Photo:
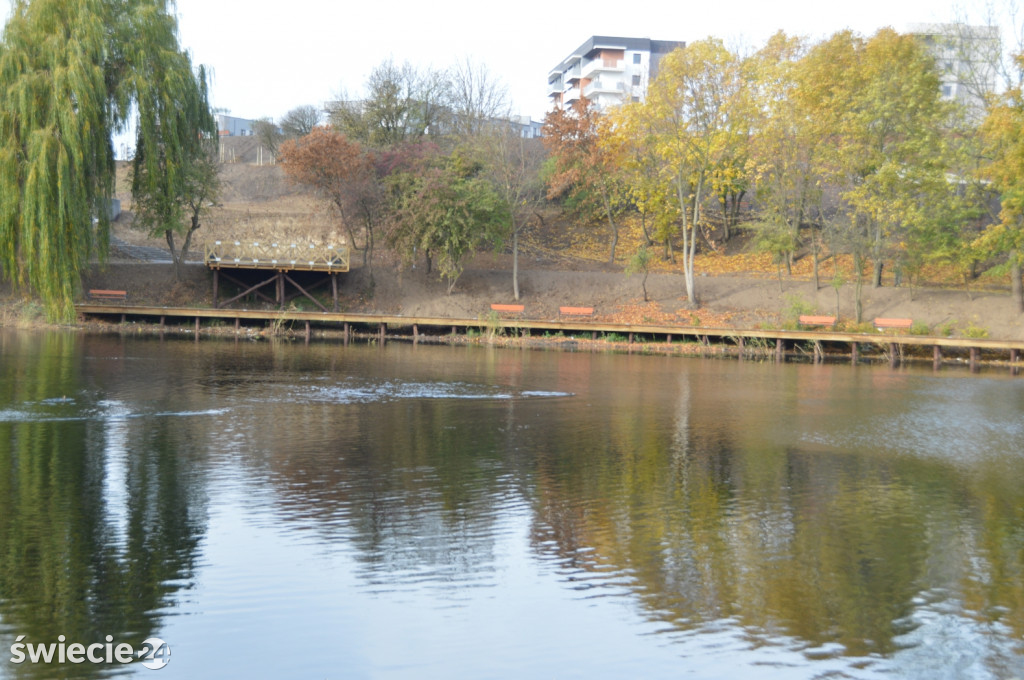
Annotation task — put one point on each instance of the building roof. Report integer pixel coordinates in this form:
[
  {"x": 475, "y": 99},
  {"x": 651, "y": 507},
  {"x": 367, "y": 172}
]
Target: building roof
[{"x": 597, "y": 42}]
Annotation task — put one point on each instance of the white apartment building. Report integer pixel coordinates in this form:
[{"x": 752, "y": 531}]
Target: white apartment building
[
  {"x": 967, "y": 57},
  {"x": 607, "y": 71}
]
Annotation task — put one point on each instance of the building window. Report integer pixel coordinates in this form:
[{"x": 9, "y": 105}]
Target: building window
[
  {"x": 636, "y": 58},
  {"x": 636, "y": 81},
  {"x": 947, "y": 90}
]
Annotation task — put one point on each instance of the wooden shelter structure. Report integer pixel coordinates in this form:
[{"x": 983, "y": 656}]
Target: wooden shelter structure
[{"x": 279, "y": 261}]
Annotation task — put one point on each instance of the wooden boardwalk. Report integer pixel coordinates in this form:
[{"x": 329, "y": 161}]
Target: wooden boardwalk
[{"x": 811, "y": 342}]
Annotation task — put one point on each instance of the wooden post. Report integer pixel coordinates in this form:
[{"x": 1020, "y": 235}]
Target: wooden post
[
  {"x": 854, "y": 351},
  {"x": 307, "y": 333},
  {"x": 216, "y": 280},
  {"x": 346, "y": 333},
  {"x": 819, "y": 353},
  {"x": 383, "y": 327},
  {"x": 334, "y": 290},
  {"x": 161, "y": 321},
  {"x": 974, "y": 359},
  {"x": 197, "y": 326},
  {"x": 1014, "y": 356},
  {"x": 238, "y": 323},
  {"x": 631, "y": 338},
  {"x": 669, "y": 339},
  {"x": 415, "y": 334},
  {"x": 893, "y": 357},
  {"x": 936, "y": 357},
  {"x": 779, "y": 350}
]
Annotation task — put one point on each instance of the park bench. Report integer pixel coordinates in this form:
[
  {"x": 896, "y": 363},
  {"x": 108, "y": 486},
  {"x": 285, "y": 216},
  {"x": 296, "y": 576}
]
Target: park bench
[
  {"x": 507, "y": 309},
  {"x": 820, "y": 321},
  {"x": 576, "y": 311},
  {"x": 119, "y": 295},
  {"x": 884, "y": 324}
]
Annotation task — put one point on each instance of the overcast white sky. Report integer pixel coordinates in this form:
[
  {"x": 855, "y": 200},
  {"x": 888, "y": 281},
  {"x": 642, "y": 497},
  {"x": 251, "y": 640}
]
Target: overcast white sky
[{"x": 269, "y": 56}]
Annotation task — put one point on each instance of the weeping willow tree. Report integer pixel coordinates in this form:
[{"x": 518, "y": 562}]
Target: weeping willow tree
[{"x": 72, "y": 73}]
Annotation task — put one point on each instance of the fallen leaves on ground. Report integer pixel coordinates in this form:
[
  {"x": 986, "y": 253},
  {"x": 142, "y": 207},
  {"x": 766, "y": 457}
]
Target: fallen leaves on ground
[{"x": 651, "y": 313}]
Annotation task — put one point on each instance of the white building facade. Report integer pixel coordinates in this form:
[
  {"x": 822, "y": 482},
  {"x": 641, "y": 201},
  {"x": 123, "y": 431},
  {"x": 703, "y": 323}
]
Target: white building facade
[
  {"x": 967, "y": 58},
  {"x": 608, "y": 71}
]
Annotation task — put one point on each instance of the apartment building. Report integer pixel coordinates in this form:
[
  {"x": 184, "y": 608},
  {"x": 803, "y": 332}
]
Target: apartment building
[
  {"x": 608, "y": 71},
  {"x": 967, "y": 57}
]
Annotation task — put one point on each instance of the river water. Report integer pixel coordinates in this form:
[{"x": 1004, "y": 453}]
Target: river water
[{"x": 274, "y": 510}]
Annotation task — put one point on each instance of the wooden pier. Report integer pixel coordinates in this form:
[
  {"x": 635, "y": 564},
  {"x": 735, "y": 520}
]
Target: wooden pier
[
  {"x": 814, "y": 345},
  {"x": 278, "y": 262}
]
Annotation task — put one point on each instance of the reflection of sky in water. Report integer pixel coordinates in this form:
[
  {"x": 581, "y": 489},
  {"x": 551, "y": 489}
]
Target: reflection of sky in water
[
  {"x": 974, "y": 420},
  {"x": 363, "y": 392}
]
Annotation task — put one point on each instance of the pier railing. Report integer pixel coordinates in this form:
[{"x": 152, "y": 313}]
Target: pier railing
[{"x": 274, "y": 255}]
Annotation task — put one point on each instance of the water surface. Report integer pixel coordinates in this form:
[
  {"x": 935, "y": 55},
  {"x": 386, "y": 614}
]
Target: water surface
[{"x": 278, "y": 510}]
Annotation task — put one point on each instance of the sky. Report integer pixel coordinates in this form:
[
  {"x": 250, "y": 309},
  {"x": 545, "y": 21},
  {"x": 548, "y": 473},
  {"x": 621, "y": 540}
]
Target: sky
[{"x": 268, "y": 56}]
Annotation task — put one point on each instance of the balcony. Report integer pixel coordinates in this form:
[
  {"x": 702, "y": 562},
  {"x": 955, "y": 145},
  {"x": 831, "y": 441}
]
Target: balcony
[
  {"x": 599, "y": 65},
  {"x": 570, "y": 95},
  {"x": 555, "y": 87},
  {"x": 604, "y": 86}
]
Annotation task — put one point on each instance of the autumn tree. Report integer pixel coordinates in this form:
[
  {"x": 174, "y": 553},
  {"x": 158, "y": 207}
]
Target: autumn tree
[
  {"x": 74, "y": 72},
  {"x": 1003, "y": 132},
  {"x": 783, "y": 151},
  {"x": 342, "y": 172},
  {"x": 689, "y": 107},
  {"x": 585, "y": 172}
]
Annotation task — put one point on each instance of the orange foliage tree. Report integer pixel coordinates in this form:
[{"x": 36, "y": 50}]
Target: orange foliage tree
[
  {"x": 585, "y": 172},
  {"x": 343, "y": 173}
]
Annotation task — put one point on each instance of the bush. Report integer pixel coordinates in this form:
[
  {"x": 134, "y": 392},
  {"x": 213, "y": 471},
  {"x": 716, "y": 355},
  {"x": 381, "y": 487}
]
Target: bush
[{"x": 975, "y": 332}]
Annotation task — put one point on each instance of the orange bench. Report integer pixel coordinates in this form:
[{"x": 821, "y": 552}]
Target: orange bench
[
  {"x": 576, "y": 311},
  {"x": 121, "y": 295},
  {"x": 825, "y": 321},
  {"x": 507, "y": 309},
  {"x": 884, "y": 324}
]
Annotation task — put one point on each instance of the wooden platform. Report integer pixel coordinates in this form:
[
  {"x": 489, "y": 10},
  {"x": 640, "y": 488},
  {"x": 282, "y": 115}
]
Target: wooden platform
[{"x": 382, "y": 325}]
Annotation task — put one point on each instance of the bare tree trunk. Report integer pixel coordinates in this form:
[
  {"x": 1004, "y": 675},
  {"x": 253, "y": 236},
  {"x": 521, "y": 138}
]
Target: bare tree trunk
[
  {"x": 515, "y": 264},
  {"x": 876, "y": 279},
  {"x": 1016, "y": 284},
  {"x": 611, "y": 224},
  {"x": 858, "y": 288}
]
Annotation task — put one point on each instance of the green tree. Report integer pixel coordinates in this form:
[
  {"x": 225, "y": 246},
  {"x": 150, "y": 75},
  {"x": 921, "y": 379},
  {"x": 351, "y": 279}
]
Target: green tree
[
  {"x": 175, "y": 173},
  {"x": 74, "y": 72},
  {"x": 513, "y": 165},
  {"x": 447, "y": 210}
]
